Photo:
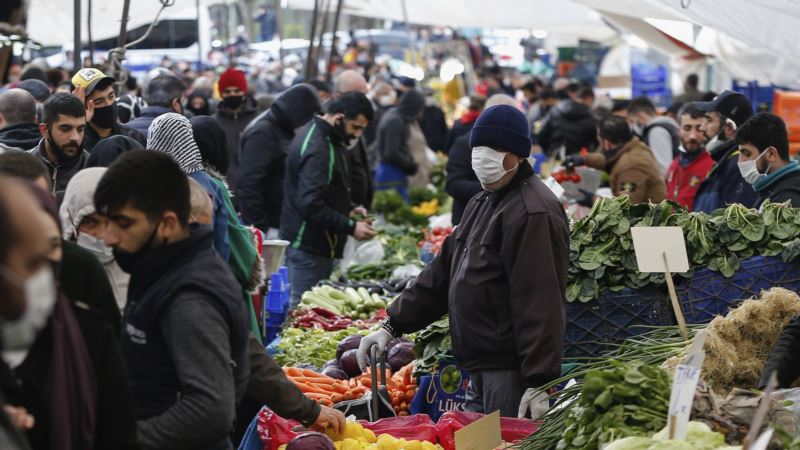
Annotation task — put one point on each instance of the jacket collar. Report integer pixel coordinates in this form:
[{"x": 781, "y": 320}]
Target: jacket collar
[
  {"x": 774, "y": 177},
  {"x": 40, "y": 152},
  {"x": 176, "y": 255},
  {"x": 524, "y": 172}
]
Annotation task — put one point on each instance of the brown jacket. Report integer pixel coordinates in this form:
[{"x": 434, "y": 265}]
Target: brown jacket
[
  {"x": 633, "y": 171},
  {"x": 501, "y": 277}
]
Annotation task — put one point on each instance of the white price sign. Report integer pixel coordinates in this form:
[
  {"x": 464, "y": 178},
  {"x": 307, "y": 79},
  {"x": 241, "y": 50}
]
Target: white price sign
[{"x": 683, "y": 387}]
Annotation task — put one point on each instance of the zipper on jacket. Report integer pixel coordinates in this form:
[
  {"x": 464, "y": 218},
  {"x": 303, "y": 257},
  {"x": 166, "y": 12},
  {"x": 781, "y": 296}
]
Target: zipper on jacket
[{"x": 55, "y": 175}]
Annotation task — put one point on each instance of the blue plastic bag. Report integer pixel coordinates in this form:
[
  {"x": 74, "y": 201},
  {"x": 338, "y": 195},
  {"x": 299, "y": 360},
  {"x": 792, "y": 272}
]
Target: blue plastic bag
[{"x": 443, "y": 391}]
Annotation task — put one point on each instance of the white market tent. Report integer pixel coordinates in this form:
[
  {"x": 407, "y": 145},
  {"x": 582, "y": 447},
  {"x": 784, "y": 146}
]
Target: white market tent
[{"x": 754, "y": 39}]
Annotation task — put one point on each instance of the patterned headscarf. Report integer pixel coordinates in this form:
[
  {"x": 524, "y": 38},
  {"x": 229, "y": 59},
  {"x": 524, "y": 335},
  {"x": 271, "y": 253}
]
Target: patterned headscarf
[{"x": 171, "y": 133}]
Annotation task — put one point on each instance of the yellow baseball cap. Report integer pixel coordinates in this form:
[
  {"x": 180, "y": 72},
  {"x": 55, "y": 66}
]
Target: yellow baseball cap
[{"x": 89, "y": 78}]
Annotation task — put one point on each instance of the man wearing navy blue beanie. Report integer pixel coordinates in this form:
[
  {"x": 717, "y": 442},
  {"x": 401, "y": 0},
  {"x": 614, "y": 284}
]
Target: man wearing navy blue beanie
[{"x": 501, "y": 277}]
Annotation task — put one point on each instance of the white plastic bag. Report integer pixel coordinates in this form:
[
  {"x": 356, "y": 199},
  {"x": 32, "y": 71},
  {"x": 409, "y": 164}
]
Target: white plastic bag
[{"x": 361, "y": 252}]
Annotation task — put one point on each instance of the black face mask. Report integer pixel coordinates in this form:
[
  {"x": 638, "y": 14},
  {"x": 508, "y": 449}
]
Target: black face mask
[
  {"x": 341, "y": 136},
  {"x": 233, "y": 101},
  {"x": 106, "y": 116},
  {"x": 128, "y": 261},
  {"x": 202, "y": 111}
]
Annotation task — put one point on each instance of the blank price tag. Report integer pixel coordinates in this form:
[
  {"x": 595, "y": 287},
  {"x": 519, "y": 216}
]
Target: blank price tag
[
  {"x": 652, "y": 243},
  {"x": 684, "y": 384},
  {"x": 483, "y": 434}
]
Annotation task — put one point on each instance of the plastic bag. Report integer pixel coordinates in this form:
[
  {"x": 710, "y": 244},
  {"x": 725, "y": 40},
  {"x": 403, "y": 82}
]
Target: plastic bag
[
  {"x": 512, "y": 430},
  {"x": 417, "y": 427},
  {"x": 274, "y": 430},
  {"x": 441, "y": 221},
  {"x": 360, "y": 253},
  {"x": 443, "y": 391},
  {"x": 406, "y": 271}
]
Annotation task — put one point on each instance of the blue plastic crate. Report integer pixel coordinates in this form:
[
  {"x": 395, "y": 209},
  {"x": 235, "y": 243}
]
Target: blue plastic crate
[
  {"x": 612, "y": 318},
  {"x": 708, "y": 294}
]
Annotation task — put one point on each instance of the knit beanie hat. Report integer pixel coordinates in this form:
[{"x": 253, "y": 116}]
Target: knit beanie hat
[
  {"x": 232, "y": 78},
  {"x": 502, "y": 127},
  {"x": 172, "y": 134}
]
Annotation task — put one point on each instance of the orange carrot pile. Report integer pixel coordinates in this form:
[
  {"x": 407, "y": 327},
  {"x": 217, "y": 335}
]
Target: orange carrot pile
[
  {"x": 402, "y": 389},
  {"x": 325, "y": 390}
]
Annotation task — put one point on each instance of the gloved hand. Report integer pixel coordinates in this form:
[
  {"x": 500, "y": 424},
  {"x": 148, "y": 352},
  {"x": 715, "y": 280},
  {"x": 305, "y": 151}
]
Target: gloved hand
[
  {"x": 379, "y": 338},
  {"x": 535, "y": 401},
  {"x": 573, "y": 160},
  {"x": 587, "y": 199}
]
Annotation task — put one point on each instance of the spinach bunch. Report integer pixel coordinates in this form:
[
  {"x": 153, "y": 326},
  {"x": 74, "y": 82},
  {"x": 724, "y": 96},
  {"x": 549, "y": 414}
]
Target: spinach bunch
[
  {"x": 601, "y": 249},
  {"x": 431, "y": 345},
  {"x": 624, "y": 400}
]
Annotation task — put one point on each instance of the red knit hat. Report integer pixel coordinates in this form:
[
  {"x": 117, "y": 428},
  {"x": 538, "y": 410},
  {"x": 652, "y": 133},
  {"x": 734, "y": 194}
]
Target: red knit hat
[{"x": 232, "y": 78}]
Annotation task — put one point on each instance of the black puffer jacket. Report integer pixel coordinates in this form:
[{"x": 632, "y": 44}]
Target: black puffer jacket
[
  {"x": 234, "y": 124},
  {"x": 462, "y": 183},
  {"x": 316, "y": 196},
  {"x": 784, "y": 357},
  {"x": 265, "y": 144},
  {"x": 20, "y": 136},
  {"x": 391, "y": 141},
  {"x": 570, "y": 124}
]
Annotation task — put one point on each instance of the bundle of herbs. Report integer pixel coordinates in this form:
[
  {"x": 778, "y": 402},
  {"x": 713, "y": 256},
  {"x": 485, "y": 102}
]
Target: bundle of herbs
[{"x": 602, "y": 255}]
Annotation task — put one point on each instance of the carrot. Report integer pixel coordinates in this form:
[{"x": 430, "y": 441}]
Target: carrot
[
  {"x": 327, "y": 402},
  {"x": 340, "y": 388},
  {"x": 314, "y": 380},
  {"x": 293, "y": 371},
  {"x": 311, "y": 373},
  {"x": 348, "y": 395},
  {"x": 307, "y": 389}
]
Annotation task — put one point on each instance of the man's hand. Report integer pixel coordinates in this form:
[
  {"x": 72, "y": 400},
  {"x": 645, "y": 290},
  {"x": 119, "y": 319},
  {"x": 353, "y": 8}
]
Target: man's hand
[
  {"x": 379, "y": 338},
  {"x": 80, "y": 92},
  {"x": 364, "y": 231},
  {"x": 358, "y": 211},
  {"x": 329, "y": 417},
  {"x": 19, "y": 417},
  {"x": 535, "y": 401}
]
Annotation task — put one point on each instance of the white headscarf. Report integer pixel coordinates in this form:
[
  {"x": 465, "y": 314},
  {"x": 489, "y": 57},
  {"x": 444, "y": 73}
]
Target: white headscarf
[{"x": 79, "y": 200}]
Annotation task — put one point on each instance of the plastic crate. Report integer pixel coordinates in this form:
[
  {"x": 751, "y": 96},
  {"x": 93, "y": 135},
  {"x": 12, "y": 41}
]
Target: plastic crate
[
  {"x": 708, "y": 294},
  {"x": 612, "y": 318}
]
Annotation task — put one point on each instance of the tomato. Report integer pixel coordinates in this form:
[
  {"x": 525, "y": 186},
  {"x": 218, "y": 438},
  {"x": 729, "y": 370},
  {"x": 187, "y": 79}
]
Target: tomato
[{"x": 575, "y": 178}]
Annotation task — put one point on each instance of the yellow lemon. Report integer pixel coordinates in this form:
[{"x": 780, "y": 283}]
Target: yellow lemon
[{"x": 369, "y": 436}]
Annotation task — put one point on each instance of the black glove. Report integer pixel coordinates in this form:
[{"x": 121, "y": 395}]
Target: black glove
[
  {"x": 572, "y": 161},
  {"x": 587, "y": 198}
]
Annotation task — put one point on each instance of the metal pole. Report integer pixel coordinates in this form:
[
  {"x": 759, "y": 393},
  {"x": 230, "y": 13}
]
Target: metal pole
[
  {"x": 276, "y": 6},
  {"x": 328, "y": 74},
  {"x": 89, "y": 31},
  {"x": 408, "y": 33},
  {"x": 76, "y": 50},
  {"x": 199, "y": 44},
  {"x": 123, "y": 26},
  {"x": 310, "y": 58},
  {"x": 320, "y": 45}
]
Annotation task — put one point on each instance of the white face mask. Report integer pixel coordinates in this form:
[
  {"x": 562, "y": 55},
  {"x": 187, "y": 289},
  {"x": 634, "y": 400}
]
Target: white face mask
[
  {"x": 100, "y": 250},
  {"x": 40, "y": 297},
  {"x": 749, "y": 169},
  {"x": 387, "y": 100},
  {"x": 488, "y": 165}
]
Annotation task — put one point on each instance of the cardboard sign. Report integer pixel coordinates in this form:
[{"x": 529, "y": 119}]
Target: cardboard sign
[
  {"x": 684, "y": 384},
  {"x": 483, "y": 434},
  {"x": 652, "y": 243}
]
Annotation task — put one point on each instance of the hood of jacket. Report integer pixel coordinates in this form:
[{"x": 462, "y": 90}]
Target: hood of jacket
[
  {"x": 78, "y": 200},
  {"x": 411, "y": 105},
  {"x": 663, "y": 120},
  {"x": 572, "y": 110},
  {"x": 109, "y": 149},
  {"x": 296, "y": 107},
  {"x": 210, "y": 138},
  {"x": 23, "y": 136},
  {"x": 172, "y": 134}
]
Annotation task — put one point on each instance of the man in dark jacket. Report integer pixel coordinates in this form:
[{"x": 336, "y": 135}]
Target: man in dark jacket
[
  {"x": 18, "y": 128},
  {"x": 317, "y": 211},
  {"x": 234, "y": 113},
  {"x": 164, "y": 95},
  {"x": 764, "y": 160},
  {"x": 184, "y": 338},
  {"x": 265, "y": 144},
  {"x": 93, "y": 86},
  {"x": 660, "y": 133},
  {"x": 433, "y": 123},
  {"x": 395, "y": 161},
  {"x": 501, "y": 277},
  {"x": 724, "y": 184},
  {"x": 361, "y": 185},
  {"x": 570, "y": 124},
  {"x": 60, "y": 147}
]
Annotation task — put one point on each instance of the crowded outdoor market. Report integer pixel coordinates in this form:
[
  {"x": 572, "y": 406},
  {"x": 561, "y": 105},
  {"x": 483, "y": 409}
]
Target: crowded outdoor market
[{"x": 399, "y": 225}]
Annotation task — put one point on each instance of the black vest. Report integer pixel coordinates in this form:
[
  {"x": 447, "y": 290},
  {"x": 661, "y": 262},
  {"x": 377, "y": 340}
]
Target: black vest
[{"x": 155, "y": 282}]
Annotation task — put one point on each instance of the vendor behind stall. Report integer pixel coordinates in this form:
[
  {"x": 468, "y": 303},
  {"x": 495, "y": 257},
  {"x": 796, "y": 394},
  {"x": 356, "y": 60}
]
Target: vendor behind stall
[
  {"x": 632, "y": 168},
  {"x": 501, "y": 277}
]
